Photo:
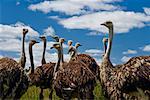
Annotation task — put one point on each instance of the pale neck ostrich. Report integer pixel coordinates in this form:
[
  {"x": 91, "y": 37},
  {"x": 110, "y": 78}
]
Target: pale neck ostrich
[
  {"x": 73, "y": 51},
  {"x": 74, "y": 78},
  {"x": 18, "y": 83},
  {"x": 61, "y": 41},
  {"x": 90, "y": 62},
  {"x": 43, "y": 38},
  {"x": 58, "y": 47},
  {"x": 118, "y": 82},
  {"x": 60, "y": 57}
]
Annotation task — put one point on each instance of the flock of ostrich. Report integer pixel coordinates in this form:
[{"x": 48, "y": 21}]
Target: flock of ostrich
[{"x": 77, "y": 77}]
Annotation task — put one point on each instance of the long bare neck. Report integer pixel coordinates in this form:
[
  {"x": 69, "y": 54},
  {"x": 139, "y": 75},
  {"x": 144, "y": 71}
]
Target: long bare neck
[
  {"x": 43, "y": 56},
  {"x": 76, "y": 50},
  {"x": 23, "y": 57},
  {"x": 62, "y": 55},
  {"x": 105, "y": 46},
  {"x": 58, "y": 62},
  {"x": 31, "y": 58},
  {"x": 108, "y": 50}
]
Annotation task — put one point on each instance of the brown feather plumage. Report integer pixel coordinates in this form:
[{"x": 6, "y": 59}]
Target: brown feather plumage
[{"x": 76, "y": 76}]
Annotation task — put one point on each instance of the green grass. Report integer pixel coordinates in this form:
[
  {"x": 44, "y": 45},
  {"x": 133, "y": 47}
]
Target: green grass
[{"x": 33, "y": 94}]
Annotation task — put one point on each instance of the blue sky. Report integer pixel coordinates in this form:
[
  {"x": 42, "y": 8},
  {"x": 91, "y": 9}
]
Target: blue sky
[{"x": 77, "y": 20}]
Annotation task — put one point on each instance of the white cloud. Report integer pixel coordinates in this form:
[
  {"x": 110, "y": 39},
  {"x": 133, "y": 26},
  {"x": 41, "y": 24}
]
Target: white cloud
[
  {"x": 147, "y": 10},
  {"x": 125, "y": 58},
  {"x": 147, "y": 48},
  {"x": 93, "y": 33},
  {"x": 15, "y": 30},
  {"x": 17, "y": 3},
  {"x": 54, "y": 17},
  {"x": 72, "y": 7},
  {"x": 49, "y": 31},
  {"x": 94, "y": 52},
  {"x": 130, "y": 52},
  {"x": 9, "y": 42},
  {"x": 123, "y": 21}
]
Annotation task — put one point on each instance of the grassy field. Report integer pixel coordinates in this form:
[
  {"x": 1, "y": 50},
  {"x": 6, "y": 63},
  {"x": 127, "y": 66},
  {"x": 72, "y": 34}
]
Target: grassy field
[{"x": 33, "y": 94}]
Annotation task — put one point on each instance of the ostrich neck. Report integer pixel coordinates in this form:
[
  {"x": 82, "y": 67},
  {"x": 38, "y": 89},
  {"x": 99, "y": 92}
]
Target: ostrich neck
[
  {"x": 108, "y": 50},
  {"x": 105, "y": 47},
  {"x": 58, "y": 62},
  {"x": 62, "y": 56},
  {"x": 31, "y": 58},
  {"x": 43, "y": 56},
  {"x": 76, "y": 50},
  {"x": 106, "y": 66},
  {"x": 23, "y": 57}
]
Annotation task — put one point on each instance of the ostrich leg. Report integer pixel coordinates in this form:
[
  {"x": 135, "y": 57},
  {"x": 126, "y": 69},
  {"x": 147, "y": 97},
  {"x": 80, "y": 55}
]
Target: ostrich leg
[
  {"x": 41, "y": 94},
  {"x": 51, "y": 94}
]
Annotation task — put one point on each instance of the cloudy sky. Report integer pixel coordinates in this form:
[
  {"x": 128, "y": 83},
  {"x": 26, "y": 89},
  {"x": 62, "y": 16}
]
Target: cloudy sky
[{"x": 77, "y": 20}]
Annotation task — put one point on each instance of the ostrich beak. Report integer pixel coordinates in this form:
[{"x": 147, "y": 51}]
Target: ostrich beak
[
  {"x": 51, "y": 47},
  {"x": 37, "y": 42},
  {"x": 103, "y": 24},
  {"x": 40, "y": 37}
]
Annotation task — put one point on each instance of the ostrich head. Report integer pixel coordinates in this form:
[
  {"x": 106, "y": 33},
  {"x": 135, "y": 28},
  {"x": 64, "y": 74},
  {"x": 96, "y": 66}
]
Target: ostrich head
[
  {"x": 61, "y": 40},
  {"x": 108, "y": 24},
  {"x": 32, "y": 42},
  {"x": 25, "y": 31},
  {"x": 70, "y": 42},
  {"x": 77, "y": 45},
  {"x": 57, "y": 46},
  {"x": 56, "y": 38},
  {"x": 43, "y": 38}
]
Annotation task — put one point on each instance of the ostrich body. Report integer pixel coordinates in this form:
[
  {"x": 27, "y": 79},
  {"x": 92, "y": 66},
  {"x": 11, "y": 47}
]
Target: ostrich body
[
  {"x": 13, "y": 80},
  {"x": 74, "y": 80},
  {"x": 119, "y": 81}
]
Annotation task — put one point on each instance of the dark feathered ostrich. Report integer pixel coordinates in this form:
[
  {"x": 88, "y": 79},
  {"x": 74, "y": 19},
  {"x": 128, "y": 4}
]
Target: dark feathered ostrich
[
  {"x": 90, "y": 62},
  {"x": 120, "y": 81},
  {"x": 74, "y": 80},
  {"x": 13, "y": 80}
]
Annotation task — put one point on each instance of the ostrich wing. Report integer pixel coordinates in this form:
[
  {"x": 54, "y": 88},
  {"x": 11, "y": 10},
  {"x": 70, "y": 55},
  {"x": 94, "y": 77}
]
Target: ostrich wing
[{"x": 136, "y": 72}]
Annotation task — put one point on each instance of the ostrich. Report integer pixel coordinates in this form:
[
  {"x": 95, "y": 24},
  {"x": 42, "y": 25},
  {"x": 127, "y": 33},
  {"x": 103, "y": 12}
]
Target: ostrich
[
  {"x": 92, "y": 66},
  {"x": 13, "y": 80},
  {"x": 74, "y": 80},
  {"x": 120, "y": 81},
  {"x": 73, "y": 50}
]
